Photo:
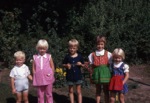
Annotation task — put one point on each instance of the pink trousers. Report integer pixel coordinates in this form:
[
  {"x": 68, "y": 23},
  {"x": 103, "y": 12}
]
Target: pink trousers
[{"x": 45, "y": 90}]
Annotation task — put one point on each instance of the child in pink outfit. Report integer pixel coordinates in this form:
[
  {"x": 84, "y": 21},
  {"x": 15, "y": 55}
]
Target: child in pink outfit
[{"x": 43, "y": 72}]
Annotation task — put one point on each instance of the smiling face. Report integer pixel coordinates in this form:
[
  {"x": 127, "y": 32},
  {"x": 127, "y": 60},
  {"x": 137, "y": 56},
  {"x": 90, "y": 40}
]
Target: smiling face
[
  {"x": 19, "y": 61},
  {"x": 117, "y": 59},
  {"x": 42, "y": 50},
  {"x": 118, "y": 55},
  {"x": 100, "y": 46}
]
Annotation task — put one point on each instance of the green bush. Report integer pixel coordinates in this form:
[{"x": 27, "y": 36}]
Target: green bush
[{"x": 125, "y": 23}]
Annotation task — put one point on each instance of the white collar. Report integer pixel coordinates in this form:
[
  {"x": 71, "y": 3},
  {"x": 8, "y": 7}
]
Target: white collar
[
  {"x": 45, "y": 56},
  {"x": 99, "y": 53},
  {"x": 118, "y": 65}
]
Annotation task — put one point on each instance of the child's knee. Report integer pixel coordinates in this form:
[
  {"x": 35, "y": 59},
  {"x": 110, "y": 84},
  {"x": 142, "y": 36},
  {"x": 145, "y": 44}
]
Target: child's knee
[
  {"x": 121, "y": 98},
  {"x": 49, "y": 95},
  {"x": 70, "y": 91},
  {"x": 79, "y": 92},
  {"x": 25, "y": 99},
  {"x": 18, "y": 101},
  {"x": 112, "y": 100},
  {"x": 19, "y": 98}
]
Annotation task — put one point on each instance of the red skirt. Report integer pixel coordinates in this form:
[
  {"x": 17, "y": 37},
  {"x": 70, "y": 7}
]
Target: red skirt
[{"x": 116, "y": 83}]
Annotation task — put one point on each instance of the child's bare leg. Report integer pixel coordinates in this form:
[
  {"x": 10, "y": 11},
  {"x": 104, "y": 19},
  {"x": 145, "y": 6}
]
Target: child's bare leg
[
  {"x": 121, "y": 98},
  {"x": 106, "y": 92},
  {"x": 79, "y": 93},
  {"x": 25, "y": 96},
  {"x": 112, "y": 97},
  {"x": 19, "y": 97},
  {"x": 71, "y": 94},
  {"x": 98, "y": 93}
]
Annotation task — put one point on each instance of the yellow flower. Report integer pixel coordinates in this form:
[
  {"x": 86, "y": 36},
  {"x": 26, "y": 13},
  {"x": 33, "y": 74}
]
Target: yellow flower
[
  {"x": 57, "y": 70},
  {"x": 64, "y": 74},
  {"x": 60, "y": 70}
]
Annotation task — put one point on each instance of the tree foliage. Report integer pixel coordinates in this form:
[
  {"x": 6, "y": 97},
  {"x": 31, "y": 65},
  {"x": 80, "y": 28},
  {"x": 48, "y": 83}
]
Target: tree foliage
[{"x": 125, "y": 23}]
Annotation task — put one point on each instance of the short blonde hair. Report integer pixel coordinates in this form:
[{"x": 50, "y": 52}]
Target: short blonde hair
[
  {"x": 100, "y": 39},
  {"x": 42, "y": 43},
  {"x": 119, "y": 52},
  {"x": 73, "y": 42},
  {"x": 19, "y": 54}
]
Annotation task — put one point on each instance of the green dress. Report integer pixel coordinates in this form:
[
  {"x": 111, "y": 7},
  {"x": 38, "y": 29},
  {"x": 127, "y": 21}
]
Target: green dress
[
  {"x": 101, "y": 74},
  {"x": 101, "y": 71}
]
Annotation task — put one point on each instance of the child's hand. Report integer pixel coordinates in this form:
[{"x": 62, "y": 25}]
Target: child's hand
[
  {"x": 79, "y": 64},
  {"x": 13, "y": 91},
  {"x": 123, "y": 82},
  {"x": 68, "y": 66},
  {"x": 30, "y": 77}
]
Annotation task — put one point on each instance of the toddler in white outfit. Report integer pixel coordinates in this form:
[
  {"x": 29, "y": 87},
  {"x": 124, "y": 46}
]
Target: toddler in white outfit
[{"x": 19, "y": 78}]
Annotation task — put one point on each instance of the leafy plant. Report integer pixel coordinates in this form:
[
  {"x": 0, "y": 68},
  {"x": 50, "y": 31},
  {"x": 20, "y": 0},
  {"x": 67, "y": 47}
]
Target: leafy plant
[{"x": 60, "y": 79}]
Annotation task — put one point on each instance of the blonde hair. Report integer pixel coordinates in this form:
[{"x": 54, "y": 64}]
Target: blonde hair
[
  {"x": 73, "y": 42},
  {"x": 119, "y": 52},
  {"x": 19, "y": 54},
  {"x": 42, "y": 43},
  {"x": 100, "y": 39}
]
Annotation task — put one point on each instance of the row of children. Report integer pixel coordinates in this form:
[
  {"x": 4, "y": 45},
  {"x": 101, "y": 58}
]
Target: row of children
[{"x": 109, "y": 72}]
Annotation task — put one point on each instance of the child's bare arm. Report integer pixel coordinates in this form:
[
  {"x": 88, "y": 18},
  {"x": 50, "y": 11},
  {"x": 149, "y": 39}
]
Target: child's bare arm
[
  {"x": 30, "y": 77},
  {"x": 80, "y": 64},
  {"x": 68, "y": 66},
  {"x": 33, "y": 67},
  {"x": 52, "y": 64},
  {"x": 13, "y": 85},
  {"x": 126, "y": 77}
]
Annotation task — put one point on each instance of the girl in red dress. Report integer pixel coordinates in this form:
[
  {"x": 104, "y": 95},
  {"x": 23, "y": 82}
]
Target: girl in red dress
[{"x": 120, "y": 75}]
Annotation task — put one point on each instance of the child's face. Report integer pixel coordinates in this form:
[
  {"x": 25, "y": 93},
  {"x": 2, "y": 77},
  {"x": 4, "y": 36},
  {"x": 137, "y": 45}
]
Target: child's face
[
  {"x": 100, "y": 46},
  {"x": 20, "y": 61},
  {"x": 73, "y": 49},
  {"x": 117, "y": 59},
  {"x": 42, "y": 50}
]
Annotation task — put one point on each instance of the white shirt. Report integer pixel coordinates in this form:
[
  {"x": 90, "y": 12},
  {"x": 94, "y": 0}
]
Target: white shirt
[
  {"x": 20, "y": 72},
  {"x": 99, "y": 53},
  {"x": 125, "y": 67}
]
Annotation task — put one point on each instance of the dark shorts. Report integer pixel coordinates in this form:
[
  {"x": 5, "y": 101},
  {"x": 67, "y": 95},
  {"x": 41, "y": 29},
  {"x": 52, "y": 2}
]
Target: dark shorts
[{"x": 79, "y": 82}]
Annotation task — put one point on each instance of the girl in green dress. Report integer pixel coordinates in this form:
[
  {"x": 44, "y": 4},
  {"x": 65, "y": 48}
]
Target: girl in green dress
[{"x": 99, "y": 60}]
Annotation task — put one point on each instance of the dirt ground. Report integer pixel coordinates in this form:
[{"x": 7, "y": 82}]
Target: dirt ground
[
  {"x": 139, "y": 88},
  {"x": 139, "y": 85}
]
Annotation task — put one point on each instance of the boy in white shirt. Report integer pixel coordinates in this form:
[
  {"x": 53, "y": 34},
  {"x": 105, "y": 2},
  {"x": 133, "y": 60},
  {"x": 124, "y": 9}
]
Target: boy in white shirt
[{"x": 19, "y": 78}]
